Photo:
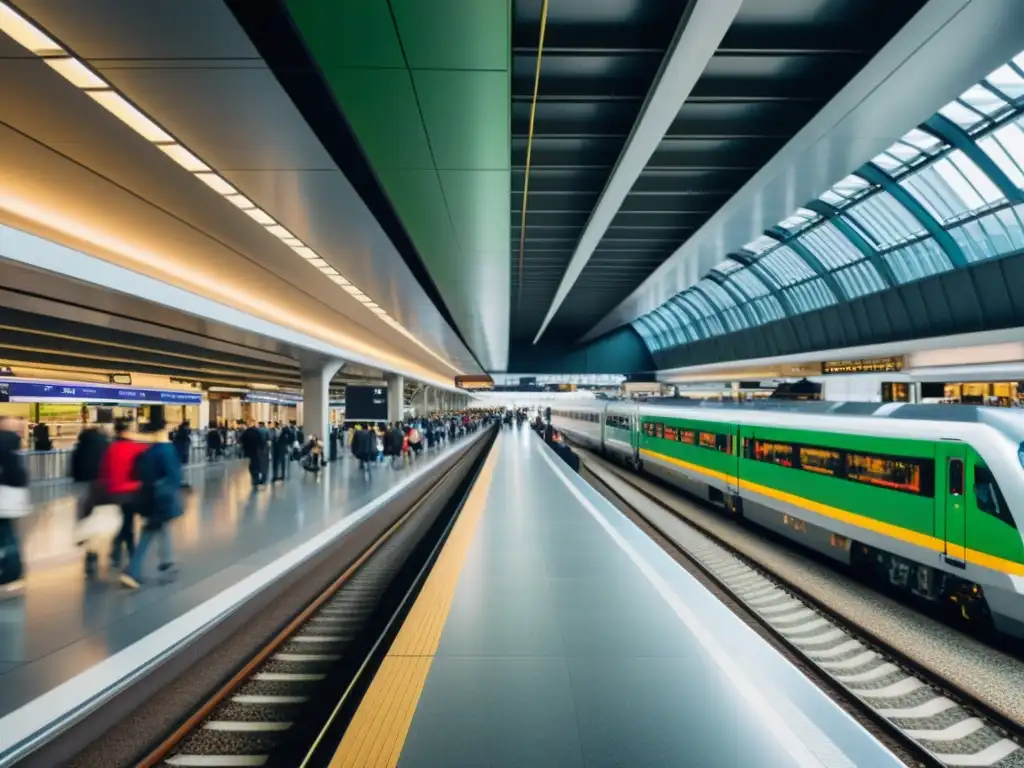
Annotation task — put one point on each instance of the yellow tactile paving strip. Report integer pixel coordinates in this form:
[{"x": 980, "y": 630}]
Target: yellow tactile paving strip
[{"x": 376, "y": 735}]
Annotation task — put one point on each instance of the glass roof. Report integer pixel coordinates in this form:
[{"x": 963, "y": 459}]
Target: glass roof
[{"x": 924, "y": 206}]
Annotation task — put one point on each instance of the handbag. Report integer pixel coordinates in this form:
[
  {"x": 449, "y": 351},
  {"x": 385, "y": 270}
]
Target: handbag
[{"x": 14, "y": 502}]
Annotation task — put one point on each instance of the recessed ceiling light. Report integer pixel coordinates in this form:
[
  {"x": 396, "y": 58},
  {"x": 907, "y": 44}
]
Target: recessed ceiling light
[
  {"x": 304, "y": 252},
  {"x": 278, "y": 231},
  {"x": 184, "y": 158},
  {"x": 328, "y": 270},
  {"x": 216, "y": 183},
  {"x": 241, "y": 201},
  {"x": 259, "y": 215},
  {"x": 364, "y": 298},
  {"x": 339, "y": 280},
  {"x": 26, "y": 33},
  {"x": 318, "y": 262},
  {"x": 120, "y": 108},
  {"x": 75, "y": 72},
  {"x": 352, "y": 290},
  {"x": 291, "y": 241}
]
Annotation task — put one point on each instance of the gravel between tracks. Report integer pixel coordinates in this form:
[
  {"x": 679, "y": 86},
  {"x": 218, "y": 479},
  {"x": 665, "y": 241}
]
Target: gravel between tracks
[{"x": 978, "y": 669}]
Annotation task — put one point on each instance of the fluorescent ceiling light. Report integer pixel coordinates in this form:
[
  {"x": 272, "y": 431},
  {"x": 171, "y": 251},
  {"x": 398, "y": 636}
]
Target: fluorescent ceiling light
[
  {"x": 318, "y": 262},
  {"x": 26, "y": 33},
  {"x": 291, "y": 241},
  {"x": 352, "y": 290},
  {"x": 278, "y": 231},
  {"x": 363, "y": 298},
  {"x": 328, "y": 270},
  {"x": 339, "y": 280},
  {"x": 306, "y": 253},
  {"x": 241, "y": 201},
  {"x": 259, "y": 215},
  {"x": 377, "y": 311},
  {"x": 76, "y": 73},
  {"x": 119, "y": 107},
  {"x": 185, "y": 159},
  {"x": 371, "y": 304},
  {"x": 217, "y": 184}
]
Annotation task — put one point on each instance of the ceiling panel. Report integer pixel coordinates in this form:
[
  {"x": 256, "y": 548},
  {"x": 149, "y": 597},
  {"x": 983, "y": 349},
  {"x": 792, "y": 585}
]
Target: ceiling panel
[
  {"x": 431, "y": 114},
  {"x": 778, "y": 64}
]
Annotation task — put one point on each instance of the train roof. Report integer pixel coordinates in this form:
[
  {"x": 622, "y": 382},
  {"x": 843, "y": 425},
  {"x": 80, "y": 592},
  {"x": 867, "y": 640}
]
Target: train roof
[{"x": 1009, "y": 421}]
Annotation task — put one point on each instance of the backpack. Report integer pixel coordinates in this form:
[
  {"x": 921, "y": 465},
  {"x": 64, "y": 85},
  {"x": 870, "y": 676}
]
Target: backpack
[{"x": 158, "y": 493}]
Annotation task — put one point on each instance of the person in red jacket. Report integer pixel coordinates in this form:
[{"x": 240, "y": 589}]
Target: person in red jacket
[{"x": 116, "y": 474}]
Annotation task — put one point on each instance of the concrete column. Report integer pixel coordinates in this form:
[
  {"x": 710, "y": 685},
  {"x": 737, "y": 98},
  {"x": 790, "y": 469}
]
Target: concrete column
[
  {"x": 316, "y": 398},
  {"x": 396, "y": 396}
]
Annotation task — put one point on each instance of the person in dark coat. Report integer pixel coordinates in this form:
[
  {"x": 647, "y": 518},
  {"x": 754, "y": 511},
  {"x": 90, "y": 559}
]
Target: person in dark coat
[
  {"x": 253, "y": 446},
  {"x": 158, "y": 469},
  {"x": 364, "y": 446},
  {"x": 282, "y": 445},
  {"x": 41, "y": 437},
  {"x": 86, "y": 459},
  {"x": 12, "y": 475}
]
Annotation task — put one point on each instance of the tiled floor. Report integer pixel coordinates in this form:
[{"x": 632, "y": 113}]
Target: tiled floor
[
  {"x": 64, "y": 624},
  {"x": 559, "y": 651}
]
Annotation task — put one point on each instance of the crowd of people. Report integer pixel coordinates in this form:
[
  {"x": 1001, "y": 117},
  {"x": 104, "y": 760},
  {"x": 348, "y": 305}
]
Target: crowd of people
[{"x": 136, "y": 474}]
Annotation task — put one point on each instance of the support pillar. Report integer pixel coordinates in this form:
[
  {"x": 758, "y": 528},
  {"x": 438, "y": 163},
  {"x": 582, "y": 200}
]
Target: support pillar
[
  {"x": 316, "y": 404},
  {"x": 396, "y": 397}
]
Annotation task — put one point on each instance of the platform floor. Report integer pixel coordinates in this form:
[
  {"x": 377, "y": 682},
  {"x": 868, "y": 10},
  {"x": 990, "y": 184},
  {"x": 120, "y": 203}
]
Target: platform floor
[
  {"x": 64, "y": 625},
  {"x": 553, "y": 632}
]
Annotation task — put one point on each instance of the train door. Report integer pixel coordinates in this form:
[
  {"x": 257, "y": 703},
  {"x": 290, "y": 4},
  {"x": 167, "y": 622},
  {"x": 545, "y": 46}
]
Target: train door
[
  {"x": 735, "y": 446},
  {"x": 951, "y": 498}
]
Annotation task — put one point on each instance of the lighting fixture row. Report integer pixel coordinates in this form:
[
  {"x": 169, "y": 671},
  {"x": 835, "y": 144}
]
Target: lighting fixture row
[{"x": 26, "y": 33}]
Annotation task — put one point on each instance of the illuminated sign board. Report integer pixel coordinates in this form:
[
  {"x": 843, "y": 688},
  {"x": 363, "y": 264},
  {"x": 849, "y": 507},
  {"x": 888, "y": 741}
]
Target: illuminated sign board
[
  {"x": 879, "y": 365},
  {"x": 58, "y": 391}
]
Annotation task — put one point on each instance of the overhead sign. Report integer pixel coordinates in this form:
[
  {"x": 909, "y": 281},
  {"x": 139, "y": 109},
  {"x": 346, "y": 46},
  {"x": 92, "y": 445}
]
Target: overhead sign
[
  {"x": 878, "y": 365},
  {"x": 269, "y": 397},
  {"x": 474, "y": 381},
  {"x": 366, "y": 403},
  {"x": 39, "y": 392}
]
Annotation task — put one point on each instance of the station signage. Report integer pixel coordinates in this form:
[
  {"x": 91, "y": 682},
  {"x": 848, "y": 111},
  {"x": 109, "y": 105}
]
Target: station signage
[
  {"x": 877, "y": 365},
  {"x": 262, "y": 397},
  {"x": 36, "y": 391}
]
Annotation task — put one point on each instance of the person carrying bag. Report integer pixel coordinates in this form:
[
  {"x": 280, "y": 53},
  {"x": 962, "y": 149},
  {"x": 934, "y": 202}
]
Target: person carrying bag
[
  {"x": 158, "y": 500},
  {"x": 14, "y": 504}
]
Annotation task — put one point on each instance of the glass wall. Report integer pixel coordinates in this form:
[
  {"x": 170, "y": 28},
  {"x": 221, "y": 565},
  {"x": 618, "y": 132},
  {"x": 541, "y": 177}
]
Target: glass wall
[{"x": 947, "y": 194}]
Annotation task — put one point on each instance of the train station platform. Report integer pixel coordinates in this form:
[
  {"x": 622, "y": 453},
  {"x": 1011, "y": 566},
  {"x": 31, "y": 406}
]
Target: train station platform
[
  {"x": 68, "y": 641},
  {"x": 553, "y": 632}
]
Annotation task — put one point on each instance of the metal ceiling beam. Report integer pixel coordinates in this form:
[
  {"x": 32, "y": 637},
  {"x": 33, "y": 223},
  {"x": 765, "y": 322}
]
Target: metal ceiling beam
[
  {"x": 904, "y": 84},
  {"x": 831, "y": 214},
  {"x": 701, "y": 29},
  {"x": 945, "y": 240},
  {"x": 954, "y": 135}
]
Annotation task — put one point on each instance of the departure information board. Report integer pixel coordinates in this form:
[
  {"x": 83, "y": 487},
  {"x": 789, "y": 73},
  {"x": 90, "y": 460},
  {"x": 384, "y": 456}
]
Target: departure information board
[{"x": 366, "y": 403}]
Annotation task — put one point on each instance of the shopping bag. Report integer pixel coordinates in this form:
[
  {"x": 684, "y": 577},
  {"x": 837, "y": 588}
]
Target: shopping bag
[
  {"x": 14, "y": 502},
  {"x": 103, "y": 523}
]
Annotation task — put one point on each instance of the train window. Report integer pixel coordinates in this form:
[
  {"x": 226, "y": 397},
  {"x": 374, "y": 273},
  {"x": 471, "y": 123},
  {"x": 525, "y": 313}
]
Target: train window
[
  {"x": 770, "y": 452},
  {"x": 988, "y": 497},
  {"x": 899, "y": 474},
  {"x": 671, "y": 433},
  {"x": 688, "y": 436},
  {"x": 956, "y": 477},
  {"x": 748, "y": 448},
  {"x": 823, "y": 461},
  {"x": 708, "y": 440},
  {"x": 649, "y": 428},
  {"x": 659, "y": 429}
]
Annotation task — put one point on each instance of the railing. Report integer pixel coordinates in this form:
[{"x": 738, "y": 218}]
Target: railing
[{"x": 55, "y": 466}]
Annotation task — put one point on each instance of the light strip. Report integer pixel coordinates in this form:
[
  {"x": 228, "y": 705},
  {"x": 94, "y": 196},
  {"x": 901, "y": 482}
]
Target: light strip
[
  {"x": 702, "y": 31},
  {"x": 27, "y": 34}
]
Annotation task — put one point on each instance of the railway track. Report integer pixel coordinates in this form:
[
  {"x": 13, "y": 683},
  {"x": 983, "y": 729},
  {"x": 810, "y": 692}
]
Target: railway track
[
  {"x": 936, "y": 722},
  {"x": 276, "y": 708}
]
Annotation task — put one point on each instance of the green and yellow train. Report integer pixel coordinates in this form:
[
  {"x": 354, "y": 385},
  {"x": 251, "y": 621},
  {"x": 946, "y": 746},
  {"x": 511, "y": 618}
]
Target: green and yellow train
[{"x": 929, "y": 498}]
